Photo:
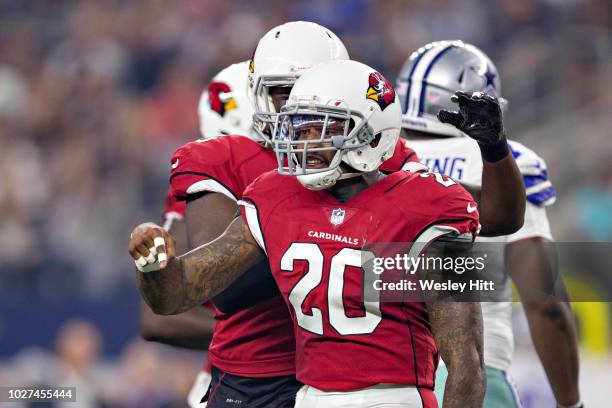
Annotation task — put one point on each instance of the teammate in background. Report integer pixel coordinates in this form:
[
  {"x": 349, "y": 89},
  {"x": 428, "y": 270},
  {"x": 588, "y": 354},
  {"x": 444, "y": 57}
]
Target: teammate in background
[
  {"x": 426, "y": 85},
  {"x": 223, "y": 109},
  {"x": 341, "y": 119}
]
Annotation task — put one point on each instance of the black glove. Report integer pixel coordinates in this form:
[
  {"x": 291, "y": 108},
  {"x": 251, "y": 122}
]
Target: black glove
[{"x": 479, "y": 117}]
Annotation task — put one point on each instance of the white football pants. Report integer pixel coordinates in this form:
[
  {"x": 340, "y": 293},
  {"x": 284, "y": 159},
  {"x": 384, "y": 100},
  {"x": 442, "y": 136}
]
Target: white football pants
[{"x": 378, "y": 396}]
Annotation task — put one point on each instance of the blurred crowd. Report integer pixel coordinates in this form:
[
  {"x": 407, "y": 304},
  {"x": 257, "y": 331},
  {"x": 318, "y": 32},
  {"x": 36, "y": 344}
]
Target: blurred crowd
[
  {"x": 95, "y": 96},
  {"x": 143, "y": 376}
]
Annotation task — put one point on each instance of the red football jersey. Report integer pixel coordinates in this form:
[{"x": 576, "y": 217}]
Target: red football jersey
[
  {"x": 401, "y": 155},
  {"x": 314, "y": 245},
  {"x": 258, "y": 340},
  {"x": 173, "y": 209}
]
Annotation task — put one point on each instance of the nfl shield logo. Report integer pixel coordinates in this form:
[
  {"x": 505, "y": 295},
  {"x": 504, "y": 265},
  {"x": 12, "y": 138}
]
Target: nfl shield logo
[{"x": 337, "y": 216}]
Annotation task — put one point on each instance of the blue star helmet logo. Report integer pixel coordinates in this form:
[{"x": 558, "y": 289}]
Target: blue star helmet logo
[{"x": 490, "y": 77}]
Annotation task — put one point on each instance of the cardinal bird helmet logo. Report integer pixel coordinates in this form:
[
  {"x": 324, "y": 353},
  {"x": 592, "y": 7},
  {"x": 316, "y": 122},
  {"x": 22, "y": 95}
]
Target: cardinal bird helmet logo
[
  {"x": 220, "y": 99},
  {"x": 380, "y": 90}
]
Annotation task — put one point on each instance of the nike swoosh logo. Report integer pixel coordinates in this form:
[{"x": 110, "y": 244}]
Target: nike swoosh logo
[
  {"x": 175, "y": 164},
  {"x": 471, "y": 209}
]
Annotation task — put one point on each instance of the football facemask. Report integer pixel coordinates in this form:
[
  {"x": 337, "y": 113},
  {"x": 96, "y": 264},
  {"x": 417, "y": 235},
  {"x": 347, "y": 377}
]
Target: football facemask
[{"x": 311, "y": 139}]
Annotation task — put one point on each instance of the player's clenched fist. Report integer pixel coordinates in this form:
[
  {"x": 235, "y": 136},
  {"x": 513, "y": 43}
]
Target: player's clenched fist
[{"x": 151, "y": 246}]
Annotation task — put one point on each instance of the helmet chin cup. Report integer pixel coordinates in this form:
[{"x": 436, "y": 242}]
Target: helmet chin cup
[{"x": 320, "y": 181}]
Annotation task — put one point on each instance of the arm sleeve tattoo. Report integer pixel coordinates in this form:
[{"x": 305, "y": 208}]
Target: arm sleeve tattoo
[{"x": 196, "y": 276}]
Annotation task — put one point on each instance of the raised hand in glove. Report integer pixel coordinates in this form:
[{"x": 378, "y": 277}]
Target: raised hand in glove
[{"x": 479, "y": 117}]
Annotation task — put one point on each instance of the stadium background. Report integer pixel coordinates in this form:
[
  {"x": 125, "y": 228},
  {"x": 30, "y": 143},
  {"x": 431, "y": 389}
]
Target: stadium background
[{"x": 95, "y": 96}]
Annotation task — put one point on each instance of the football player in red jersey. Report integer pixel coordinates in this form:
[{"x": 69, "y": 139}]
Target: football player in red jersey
[
  {"x": 253, "y": 346},
  {"x": 223, "y": 109},
  {"x": 333, "y": 135}
]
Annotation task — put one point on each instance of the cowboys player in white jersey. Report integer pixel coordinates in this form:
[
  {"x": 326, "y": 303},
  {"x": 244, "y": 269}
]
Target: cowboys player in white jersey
[{"x": 427, "y": 85}]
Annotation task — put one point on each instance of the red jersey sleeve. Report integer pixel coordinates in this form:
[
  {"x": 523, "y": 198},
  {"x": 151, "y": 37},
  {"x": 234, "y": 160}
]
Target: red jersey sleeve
[
  {"x": 254, "y": 210},
  {"x": 204, "y": 166},
  {"x": 445, "y": 208},
  {"x": 401, "y": 156},
  {"x": 174, "y": 209}
]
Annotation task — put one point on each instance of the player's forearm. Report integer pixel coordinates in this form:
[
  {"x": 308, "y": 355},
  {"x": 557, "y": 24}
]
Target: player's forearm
[
  {"x": 457, "y": 329},
  {"x": 192, "y": 329},
  {"x": 163, "y": 290},
  {"x": 532, "y": 265},
  {"x": 502, "y": 197},
  {"x": 465, "y": 384},
  {"x": 554, "y": 337},
  {"x": 460, "y": 346},
  {"x": 193, "y": 278}
]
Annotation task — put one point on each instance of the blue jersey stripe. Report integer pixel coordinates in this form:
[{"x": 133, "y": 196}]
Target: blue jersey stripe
[
  {"x": 541, "y": 197},
  {"x": 515, "y": 153},
  {"x": 531, "y": 181}
]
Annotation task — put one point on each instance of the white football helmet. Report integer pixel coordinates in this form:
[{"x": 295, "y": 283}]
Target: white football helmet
[
  {"x": 345, "y": 107},
  {"x": 282, "y": 55},
  {"x": 224, "y": 108},
  {"x": 433, "y": 73}
]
